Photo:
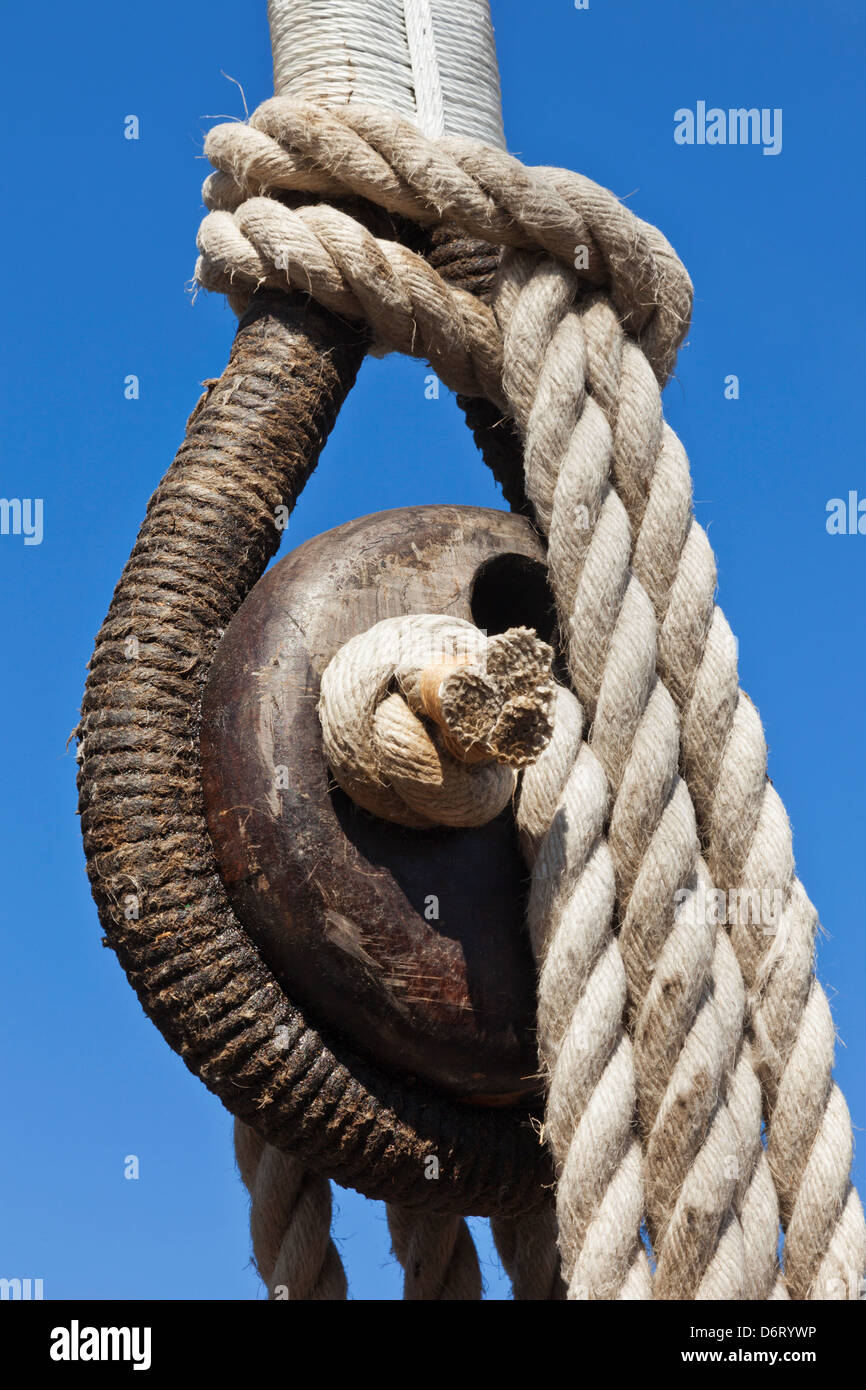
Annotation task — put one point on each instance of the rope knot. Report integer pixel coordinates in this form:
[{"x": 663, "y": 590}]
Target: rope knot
[
  {"x": 250, "y": 238},
  {"x": 426, "y": 721}
]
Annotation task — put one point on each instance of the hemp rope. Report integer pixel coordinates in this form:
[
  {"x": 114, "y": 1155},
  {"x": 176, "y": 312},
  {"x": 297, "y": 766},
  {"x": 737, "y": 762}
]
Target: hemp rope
[
  {"x": 305, "y": 147},
  {"x": 290, "y": 1222},
  {"x": 582, "y": 986},
  {"x": 583, "y": 1046},
  {"x": 659, "y": 360},
  {"x": 696, "y": 1091},
  {"x": 437, "y": 1253},
  {"x": 829, "y": 1239},
  {"x": 490, "y": 700},
  {"x": 527, "y": 1247},
  {"x": 744, "y": 823}
]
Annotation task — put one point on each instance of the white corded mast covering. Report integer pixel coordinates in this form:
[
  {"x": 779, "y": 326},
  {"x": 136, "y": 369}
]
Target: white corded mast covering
[{"x": 433, "y": 61}]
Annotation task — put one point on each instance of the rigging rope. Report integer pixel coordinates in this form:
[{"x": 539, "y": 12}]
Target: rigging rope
[{"x": 580, "y": 372}]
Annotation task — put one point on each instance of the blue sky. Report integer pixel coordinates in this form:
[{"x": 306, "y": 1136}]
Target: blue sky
[{"x": 98, "y": 247}]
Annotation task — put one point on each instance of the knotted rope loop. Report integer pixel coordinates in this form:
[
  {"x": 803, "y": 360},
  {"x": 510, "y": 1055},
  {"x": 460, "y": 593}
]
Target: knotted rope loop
[
  {"x": 425, "y": 720},
  {"x": 358, "y": 276},
  {"x": 305, "y": 147}
]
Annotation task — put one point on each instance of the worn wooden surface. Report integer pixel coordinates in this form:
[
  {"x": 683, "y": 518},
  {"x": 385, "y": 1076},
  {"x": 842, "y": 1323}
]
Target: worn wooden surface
[{"x": 343, "y": 905}]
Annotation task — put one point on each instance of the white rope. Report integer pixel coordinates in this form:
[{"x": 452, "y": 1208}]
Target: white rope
[{"x": 433, "y": 61}]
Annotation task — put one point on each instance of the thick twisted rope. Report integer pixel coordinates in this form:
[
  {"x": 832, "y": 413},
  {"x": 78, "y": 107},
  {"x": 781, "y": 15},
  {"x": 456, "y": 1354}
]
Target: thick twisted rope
[
  {"x": 290, "y": 1222},
  {"x": 686, "y": 1006},
  {"x": 743, "y": 821},
  {"x": 658, "y": 322},
  {"x": 584, "y": 1049},
  {"x": 305, "y": 147},
  {"x": 440, "y": 1263},
  {"x": 527, "y": 1247},
  {"x": 355, "y": 275}
]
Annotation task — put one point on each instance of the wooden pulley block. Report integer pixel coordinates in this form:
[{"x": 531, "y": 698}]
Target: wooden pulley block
[{"x": 409, "y": 943}]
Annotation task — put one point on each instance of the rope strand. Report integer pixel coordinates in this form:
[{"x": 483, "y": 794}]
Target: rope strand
[
  {"x": 438, "y": 1256},
  {"x": 745, "y": 826},
  {"x": 290, "y": 1222}
]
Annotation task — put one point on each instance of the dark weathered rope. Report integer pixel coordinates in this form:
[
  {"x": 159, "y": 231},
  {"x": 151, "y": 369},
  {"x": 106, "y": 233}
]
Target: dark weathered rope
[
  {"x": 472, "y": 265},
  {"x": 208, "y": 535}
]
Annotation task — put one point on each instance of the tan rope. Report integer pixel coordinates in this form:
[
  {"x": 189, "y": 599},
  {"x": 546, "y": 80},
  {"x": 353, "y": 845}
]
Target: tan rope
[
  {"x": 304, "y": 146},
  {"x": 440, "y": 1263},
  {"x": 527, "y": 1247},
  {"x": 707, "y": 1189},
  {"x": 584, "y": 1049},
  {"x": 356, "y": 275},
  {"x": 290, "y": 1222},
  {"x": 685, "y": 1003},
  {"x": 441, "y": 747},
  {"x": 745, "y": 824}
]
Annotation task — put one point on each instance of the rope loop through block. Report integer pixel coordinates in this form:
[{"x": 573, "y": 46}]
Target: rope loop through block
[
  {"x": 669, "y": 1040},
  {"x": 589, "y": 309},
  {"x": 206, "y": 540}
]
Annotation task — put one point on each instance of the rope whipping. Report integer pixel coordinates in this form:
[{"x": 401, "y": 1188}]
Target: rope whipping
[{"x": 432, "y": 61}]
